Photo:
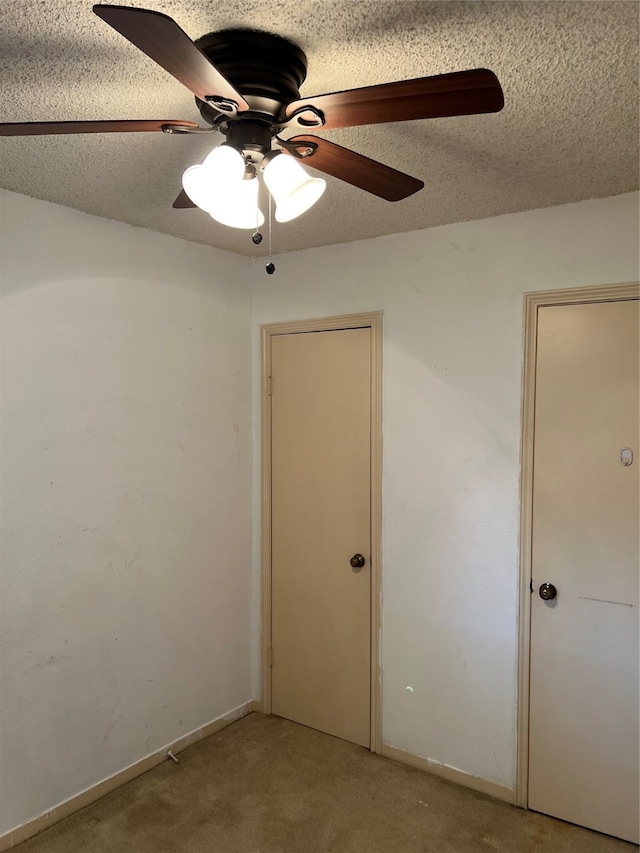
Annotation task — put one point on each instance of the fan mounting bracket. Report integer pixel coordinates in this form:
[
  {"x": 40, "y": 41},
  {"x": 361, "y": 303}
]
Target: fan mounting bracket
[
  {"x": 306, "y": 117},
  {"x": 186, "y": 128},
  {"x": 224, "y": 105},
  {"x": 299, "y": 150}
]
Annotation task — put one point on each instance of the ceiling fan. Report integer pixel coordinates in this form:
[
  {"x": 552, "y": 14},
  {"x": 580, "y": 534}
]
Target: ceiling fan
[{"x": 246, "y": 84}]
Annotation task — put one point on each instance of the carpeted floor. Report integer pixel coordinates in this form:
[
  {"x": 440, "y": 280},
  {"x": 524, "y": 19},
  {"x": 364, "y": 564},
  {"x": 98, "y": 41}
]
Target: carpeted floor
[{"x": 266, "y": 785}]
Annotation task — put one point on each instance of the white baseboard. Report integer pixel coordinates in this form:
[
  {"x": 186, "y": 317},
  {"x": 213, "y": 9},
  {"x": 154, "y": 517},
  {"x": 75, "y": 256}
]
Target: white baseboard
[
  {"x": 90, "y": 795},
  {"x": 493, "y": 789}
]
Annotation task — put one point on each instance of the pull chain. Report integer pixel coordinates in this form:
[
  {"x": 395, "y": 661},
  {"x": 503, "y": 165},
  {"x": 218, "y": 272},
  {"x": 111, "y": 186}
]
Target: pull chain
[
  {"x": 271, "y": 267},
  {"x": 257, "y": 236}
]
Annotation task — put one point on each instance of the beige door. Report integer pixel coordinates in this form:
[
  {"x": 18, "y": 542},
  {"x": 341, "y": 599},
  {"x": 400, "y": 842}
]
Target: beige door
[
  {"x": 583, "y": 745},
  {"x": 320, "y": 504}
]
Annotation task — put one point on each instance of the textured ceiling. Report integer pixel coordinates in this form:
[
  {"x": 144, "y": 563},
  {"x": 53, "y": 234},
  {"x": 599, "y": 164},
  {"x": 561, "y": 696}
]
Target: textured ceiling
[{"x": 569, "y": 129}]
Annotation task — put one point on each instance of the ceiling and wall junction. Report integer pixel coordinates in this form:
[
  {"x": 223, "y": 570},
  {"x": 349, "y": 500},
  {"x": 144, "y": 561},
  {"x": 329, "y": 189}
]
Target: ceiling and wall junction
[{"x": 568, "y": 132}]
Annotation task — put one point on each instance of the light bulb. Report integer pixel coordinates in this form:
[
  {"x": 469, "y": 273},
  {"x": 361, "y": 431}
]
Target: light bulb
[{"x": 293, "y": 190}]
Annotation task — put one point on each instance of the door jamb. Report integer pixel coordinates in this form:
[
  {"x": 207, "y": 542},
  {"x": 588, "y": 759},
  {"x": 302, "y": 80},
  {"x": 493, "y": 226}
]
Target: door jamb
[
  {"x": 372, "y": 320},
  {"x": 533, "y": 301}
]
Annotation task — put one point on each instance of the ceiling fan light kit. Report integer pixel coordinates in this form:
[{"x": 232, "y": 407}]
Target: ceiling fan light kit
[
  {"x": 293, "y": 190},
  {"x": 246, "y": 85},
  {"x": 221, "y": 186},
  {"x": 225, "y": 185}
]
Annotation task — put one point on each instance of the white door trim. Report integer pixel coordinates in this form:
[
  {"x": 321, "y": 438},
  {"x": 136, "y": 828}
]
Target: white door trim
[
  {"x": 533, "y": 301},
  {"x": 372, "y": 320}
]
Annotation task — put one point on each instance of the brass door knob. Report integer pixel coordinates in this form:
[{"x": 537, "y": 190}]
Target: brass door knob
[{"x": 357, "y": 561}]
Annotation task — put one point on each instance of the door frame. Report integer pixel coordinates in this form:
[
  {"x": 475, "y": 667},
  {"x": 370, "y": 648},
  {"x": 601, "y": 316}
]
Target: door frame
[
  {"x": 532, "y": 302},
  {"x": 372, "y": 320}
]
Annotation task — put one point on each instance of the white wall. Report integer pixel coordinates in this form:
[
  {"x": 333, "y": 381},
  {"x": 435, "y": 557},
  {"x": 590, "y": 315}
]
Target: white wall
[
  {"x": 130, "y": 613},
  {"x": 452, "y": 303},
  {"x": 126, "y": 497}
]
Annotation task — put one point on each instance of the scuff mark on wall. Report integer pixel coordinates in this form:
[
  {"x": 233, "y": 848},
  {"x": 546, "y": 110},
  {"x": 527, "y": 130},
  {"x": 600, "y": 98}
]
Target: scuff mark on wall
[
  {"x": 112, "y": 720},
  {"x": 236, "y": 427},
  {"x": 136, "y": 554}
]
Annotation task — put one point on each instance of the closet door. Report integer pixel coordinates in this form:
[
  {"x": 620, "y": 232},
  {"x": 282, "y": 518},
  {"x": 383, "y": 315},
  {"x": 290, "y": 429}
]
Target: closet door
[{"x": 583, "y": 746}]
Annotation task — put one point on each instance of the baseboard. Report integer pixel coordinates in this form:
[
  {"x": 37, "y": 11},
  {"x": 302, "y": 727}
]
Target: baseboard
[
  {"x": 484, "y": 786},
  {"x": 90, "y": 795}
]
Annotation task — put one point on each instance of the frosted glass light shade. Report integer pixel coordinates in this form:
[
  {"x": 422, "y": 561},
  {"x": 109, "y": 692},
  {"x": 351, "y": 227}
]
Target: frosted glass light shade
[
  {"x": 238, "y": 207},
  {"x": 293, "y": 190},
  {"x": 218, "y": 187},
  {"x": 206, "y": 183},
  {"x": 224, "y": 163}
]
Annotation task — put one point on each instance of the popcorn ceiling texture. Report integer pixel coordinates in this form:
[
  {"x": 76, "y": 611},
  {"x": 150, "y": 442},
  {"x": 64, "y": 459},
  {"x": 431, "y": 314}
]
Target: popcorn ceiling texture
[{"x": 568, "y": 132}]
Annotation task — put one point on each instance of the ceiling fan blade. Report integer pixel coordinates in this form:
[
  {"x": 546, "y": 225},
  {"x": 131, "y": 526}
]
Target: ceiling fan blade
[
  {"x": 166, "y": 43},
  {"x": 41, "y": 128},
  {"x": 183, "y": 201},
  {"x": 457, "y": 94},
  {"x": 354, "y": 168}
]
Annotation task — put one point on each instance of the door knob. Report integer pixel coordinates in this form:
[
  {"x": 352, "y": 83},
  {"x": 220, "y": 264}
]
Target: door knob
[
  {"x": 357, "y": 561},
  {"x": 547, "y": 591}
]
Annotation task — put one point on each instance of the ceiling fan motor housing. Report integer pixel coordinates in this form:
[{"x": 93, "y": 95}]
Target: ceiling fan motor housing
[
  {"x": 266, "y": 69},
  {"x": 251, "y": 137}
]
